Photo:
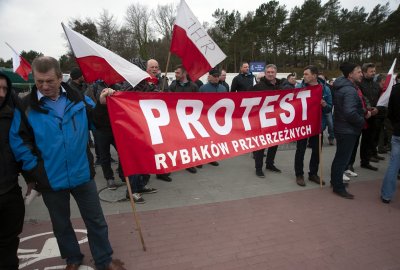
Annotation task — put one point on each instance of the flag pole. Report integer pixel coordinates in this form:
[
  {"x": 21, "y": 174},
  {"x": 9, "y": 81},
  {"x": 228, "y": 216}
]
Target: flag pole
[
  {"x": 165, "y": 74},
  {"x": 320, "y": 159},
  {"x": 128, "y": 184}
]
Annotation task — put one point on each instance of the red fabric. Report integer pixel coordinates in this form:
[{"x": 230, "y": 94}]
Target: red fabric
[
  {"x": 192, "y": 59},
  {"x": 145, "y": 136},
  {"x": 24, "y": 68},
  {"x": 364, "y": 105},
  {"x": 95, "y": 67},
  {"x": 153, "y": 80}
]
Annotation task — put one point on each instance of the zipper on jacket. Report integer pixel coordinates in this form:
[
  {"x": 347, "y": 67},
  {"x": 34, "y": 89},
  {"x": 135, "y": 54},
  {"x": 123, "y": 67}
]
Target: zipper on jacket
[{"x": 73, "y": 122}]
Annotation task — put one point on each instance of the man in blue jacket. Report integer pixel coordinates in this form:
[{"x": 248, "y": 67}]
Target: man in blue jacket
[
  {"x": 50, "y": 138},
  {"x": 310, "y": 74}
]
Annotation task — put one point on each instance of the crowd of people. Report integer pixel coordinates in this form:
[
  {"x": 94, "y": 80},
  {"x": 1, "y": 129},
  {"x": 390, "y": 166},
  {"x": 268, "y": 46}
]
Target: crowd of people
[{"x": 47, "y": 137}]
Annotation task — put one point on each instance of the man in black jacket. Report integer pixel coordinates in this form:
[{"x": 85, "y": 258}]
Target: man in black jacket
[
  {"x": 244, "y": 81},
  {"x": 348, "y": 122},
  {"x": 268, "y": 82},
  {"x": 12, "y": 208}
]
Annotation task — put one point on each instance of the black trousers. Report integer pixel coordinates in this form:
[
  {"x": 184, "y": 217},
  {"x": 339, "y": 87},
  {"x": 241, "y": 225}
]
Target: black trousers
[
  {"x": 370, "y": 139},
  {"x": 301, "y": 147},
  {"x": 104, "y": 139},
  {"x": 259, "y": 157},
  {"x": 12, "y": 212}
]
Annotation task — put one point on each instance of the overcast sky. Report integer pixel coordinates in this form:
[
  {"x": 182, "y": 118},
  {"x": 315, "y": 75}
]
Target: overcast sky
[{"x": 36, "y": 24}]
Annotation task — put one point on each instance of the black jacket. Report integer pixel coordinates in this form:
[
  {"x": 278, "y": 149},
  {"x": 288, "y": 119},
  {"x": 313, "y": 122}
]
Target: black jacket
[
  {"x": 188, "y": 86},
  {"x": 264, "y": 84},
  {"x": 242, "y": 82},
  {"x": 349, "y": 112},
  {"x": 394, "y": 109},
  {"x": 9, "y": 168}
]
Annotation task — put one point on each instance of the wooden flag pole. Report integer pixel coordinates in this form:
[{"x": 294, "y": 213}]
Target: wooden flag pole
[
  {"x": 165, "y": 74},
  {"x": 128, "y": 184},
  {"x": 320, "y": 159}
]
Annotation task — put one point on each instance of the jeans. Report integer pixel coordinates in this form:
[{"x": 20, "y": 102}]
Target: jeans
[
  {"x": 300, "y": 152},
  {"x": 344, "y": 147},
  {"x": 12, "y": 211},
  {"x": 329, "y": 123},
  {"x": 259, "y": 157},
  {"x": 87, "y": 199},
  {"x": 138, "y": 181},
  {"x": 390, "y": 180}
]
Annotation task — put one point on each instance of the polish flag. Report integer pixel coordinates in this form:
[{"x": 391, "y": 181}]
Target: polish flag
[
  {"x": 387, "y": 88},
  {"x": 190, "y": 41},
  {"x": 20, "y": 65},
  {"x": 97, "y": 62}
]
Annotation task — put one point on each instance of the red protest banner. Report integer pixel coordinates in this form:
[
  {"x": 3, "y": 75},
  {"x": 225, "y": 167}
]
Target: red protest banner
[{"x": 164, "y": 132}]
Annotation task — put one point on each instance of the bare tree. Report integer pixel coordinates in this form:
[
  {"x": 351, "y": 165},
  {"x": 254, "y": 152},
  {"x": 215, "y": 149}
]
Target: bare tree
[
  {"x": 164, "y": 18},
  {"x": 138, "y": 23},
  {"x": 106, "y": 28}
]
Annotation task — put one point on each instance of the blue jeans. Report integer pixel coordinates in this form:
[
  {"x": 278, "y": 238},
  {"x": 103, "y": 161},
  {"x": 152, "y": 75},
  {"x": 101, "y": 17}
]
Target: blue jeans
[
  {"x": 329, "y": 123},
  {"x": 58, "y": 204},
  {"x": 344, "y": 148},
  {"x": 389, "y": 182},
  {"x": 138, "y": 182}
]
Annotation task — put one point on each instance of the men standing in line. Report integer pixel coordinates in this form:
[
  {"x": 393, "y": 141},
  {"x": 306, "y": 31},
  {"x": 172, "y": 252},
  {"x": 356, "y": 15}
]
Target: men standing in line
[
  {"x": 12, "y": 209},
  {"x": 370, "y": 135},
  {"x": 222, "y": 79},
  {"x": 268, "y": 82},
  {"x": 310, "y": 75},
  {"x": 389, "y": 183},
  {"x": 244, "y": 80},
  {"x": 348, "y": 121},
  {"x": 50, "y": 138}
]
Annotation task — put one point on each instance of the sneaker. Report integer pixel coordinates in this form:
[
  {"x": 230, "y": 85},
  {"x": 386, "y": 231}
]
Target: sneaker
[
  {"x": 148, "y": 190},
  {"x": 111, "y": 184},
  {"x": 272, "y": 168},
  {"x": 300, "y": 180},
  {"x": 214, "y": 163},
  {"x": 260, "y": 174},
  {"x": 316, "y": 179},
  {"x": 346, "y": 178},
  {"x": 137, "y": 198},
  {"x": 385, "y": 200},
  {"x": 192, "y": 170},
  {"x": 351, "y": 168},
  {"x": 350, "y": 173}
]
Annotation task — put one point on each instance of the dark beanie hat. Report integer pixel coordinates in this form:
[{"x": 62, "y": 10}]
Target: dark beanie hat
[
  {"x": 347, "y": 68},
  {"x": 75, "y": 73}
]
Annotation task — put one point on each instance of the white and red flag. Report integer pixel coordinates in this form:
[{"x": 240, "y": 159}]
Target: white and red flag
[
  {"x": 191, "y": 42},
  {"x": 20, "y": 65},
  {"x": 387, "y": 88},
  {"x": 97, "y": 62}
]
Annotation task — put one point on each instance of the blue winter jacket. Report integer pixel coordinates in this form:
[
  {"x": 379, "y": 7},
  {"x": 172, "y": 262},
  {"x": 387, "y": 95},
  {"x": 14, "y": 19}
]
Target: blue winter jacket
[
  {"x": 326, "y": 95},
  {"x": 53, "y": 150}
]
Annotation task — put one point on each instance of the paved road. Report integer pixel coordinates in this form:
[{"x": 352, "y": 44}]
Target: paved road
[{"x": 226, "y": 218}]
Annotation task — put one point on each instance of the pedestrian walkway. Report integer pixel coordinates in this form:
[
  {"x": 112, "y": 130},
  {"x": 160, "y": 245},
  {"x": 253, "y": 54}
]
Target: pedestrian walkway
[{"x": 226, "y": 218}]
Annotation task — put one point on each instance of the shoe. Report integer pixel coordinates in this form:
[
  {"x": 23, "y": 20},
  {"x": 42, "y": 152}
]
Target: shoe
[
  {"x": 260, "y": 174},
  {"x": 72, "y": 266},
  {"x": 379, "y": 157},
  {"x": 300, "y": 180},
  {"x": 148, "y": 190},
  {"x": 384, "y": 200},
  {"x": 164, "y": 177},
  {"x": 374, "y": 159},
  {"x": 272, "y": 168},
  {"x": 344, "y": 194},
  {"x": 382, "y": 151},
  {"x": 316, "y": 179},
  {"x": 350, "y": 173},
  {"x": 199, "y": 166},
  {"x": 111, "y": 184},
  {"x": 214, "y": 163},
  {"x": 369, "y": 167},
  {"x": 191, "y": 170},
  {"x": 137, "y": 198},
  {"x": 351, "y": 168},
  {"x": 331, "y": 142},
  {"x": 346, "y": 178},
  {"x": 116, "y": 265}
]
